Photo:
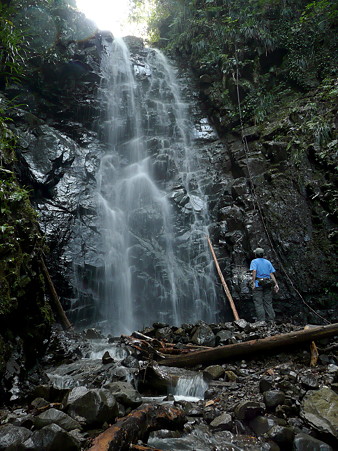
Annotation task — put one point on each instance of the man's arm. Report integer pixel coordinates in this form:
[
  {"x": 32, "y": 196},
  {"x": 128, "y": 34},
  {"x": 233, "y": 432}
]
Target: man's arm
[
  {"x": 276, "y": 287},
  {"x": 253, "y": 280}
]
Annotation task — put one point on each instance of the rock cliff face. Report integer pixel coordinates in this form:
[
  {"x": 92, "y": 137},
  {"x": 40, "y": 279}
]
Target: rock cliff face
[{"x": 275, "y": 190}]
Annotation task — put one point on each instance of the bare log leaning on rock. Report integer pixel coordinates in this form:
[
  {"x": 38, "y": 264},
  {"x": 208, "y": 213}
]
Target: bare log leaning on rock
[
  {"x": 252, "y": 347},
  {"x": 55, "y": 298},
  {"x": 137, "y": 425}
]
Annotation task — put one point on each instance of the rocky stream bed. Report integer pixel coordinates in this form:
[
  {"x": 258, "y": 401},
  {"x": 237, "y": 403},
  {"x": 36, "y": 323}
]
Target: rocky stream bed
[{"x": 87, "y": 382}]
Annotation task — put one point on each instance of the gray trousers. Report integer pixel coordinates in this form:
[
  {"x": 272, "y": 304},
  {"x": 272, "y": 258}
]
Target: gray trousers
[{"x": 262, "y": 297}]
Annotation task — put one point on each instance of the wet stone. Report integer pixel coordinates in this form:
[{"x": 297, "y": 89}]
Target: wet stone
[
  {"x": 223, "y": 337},
  {"x": 243, "y": 325},
  {"x": 56, "y": 416},
  {"x": 92, "y": 334},
  {"x": 304, "y": 442},
  {"x": 273, "y": 398},
  {"x": 214, "y": 372},
  {"x": 223, "y": 422},
  {"x": 230, "y": 376},
  {"x": 262, "y": 424},
  {"x": 52, "y": 437},
  {"x": 246, "y": 410},
  {"x": 210, "y": 413},
  {"x": 130, "y": 362},
  {"x": 309, "y": 381},
  {"x": 124, "y": 393},
  {"x": 283, "y": 436},
  {"x": 11, "y": 436},
  {"x": 319, "y": 408},
  {"x": 107, "y": 358},
  {"x": 265, "y": 385},
  {"x": 204, "y": 336},
  {"x": 39, "y": 402}
]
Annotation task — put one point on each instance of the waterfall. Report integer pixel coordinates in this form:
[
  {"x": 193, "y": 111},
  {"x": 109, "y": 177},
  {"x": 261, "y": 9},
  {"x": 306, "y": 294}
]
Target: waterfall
[{"x": 153, "y": 214}]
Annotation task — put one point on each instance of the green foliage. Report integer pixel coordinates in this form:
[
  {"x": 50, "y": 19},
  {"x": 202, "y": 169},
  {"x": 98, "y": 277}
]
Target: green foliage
[
  {"x": 265, "y": 43},
  {"x": 11, "y": 41}
]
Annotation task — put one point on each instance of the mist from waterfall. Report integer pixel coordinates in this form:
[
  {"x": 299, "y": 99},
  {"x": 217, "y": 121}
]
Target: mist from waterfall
[{"x": 153, "y": 215}]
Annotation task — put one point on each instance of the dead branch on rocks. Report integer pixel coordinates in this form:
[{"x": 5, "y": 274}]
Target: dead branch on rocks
[
  {"x": 152, "y": 348},
  {"x": 251, "y": 347},
  {"x": 137, "y": 426}
]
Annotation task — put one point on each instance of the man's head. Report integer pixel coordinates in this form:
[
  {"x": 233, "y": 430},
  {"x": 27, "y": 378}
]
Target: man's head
[{"x": 259, "y": 252}]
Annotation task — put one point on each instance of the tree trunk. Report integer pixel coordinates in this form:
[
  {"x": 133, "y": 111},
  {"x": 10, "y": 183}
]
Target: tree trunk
[
  {"x": 252, "y": 347},
  {"x": 137, "y": 426}
]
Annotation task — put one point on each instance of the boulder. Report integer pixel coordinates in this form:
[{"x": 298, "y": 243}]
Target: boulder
[
  {"x": 304, "y": 442},
  {"x": 223, "y": 422},
  {"x": 107, "y": 358},
  {"x": 52, "y": 438},
  {"x": 203, "y": 336},
  {"x": 93, "y": 407},
  {"x": 273, "y": 398},
  {"x": 223, "y": 337},
  {"x": 58, "y": 417},
  {"x": 214, "y": 372},
  {"x": 12, "y": 436},
  {"x": 262, "y": 424},
  {"x": 319, "y": 408},
  {"x": 124, "y": 393},
  {"x": 247, "y": 410},
  {"x": 282, "y": 435},
  {"x": 265, "y": 385}
]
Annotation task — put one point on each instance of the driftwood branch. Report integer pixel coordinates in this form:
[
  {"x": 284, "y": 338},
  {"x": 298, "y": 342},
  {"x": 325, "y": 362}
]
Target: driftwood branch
[
  {"x": 55, "y": 298},
  {"x": 137, "y": 426},
  {"x": 225, "y": 286},
  {"x": 251, "y": 347}
]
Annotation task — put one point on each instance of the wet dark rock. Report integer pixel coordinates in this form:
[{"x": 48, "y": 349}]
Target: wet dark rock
[
  {"x": 91, "y": 407},
  {"x": 52, "y": 437},
  {"x": 247, "y": 410},
  {"x": 210, "y": 413},
  {"x": 243, "y": 325},
  {"x": 319, "y": 408},
  {"x": 203, "y": 336},
  {"x": 223, "y": 337},
  {"x": 130, "y": 362},
  {"x": 265, "y": 385},
  {"x": 282, "y": 435},
  {"x": 273, "y": 398},
  {"x": 304, "y": 442},
  {"x": 214, "y": 372},
  {"x": 11, "y": 437},
  {"x": 309, "y": 381},
  {"x": 230, "y": 376},
  {"x": 106, "y": 358},
  {"x": 124, "y": 393},
  {"x": 39, "y": 403},
  {"x": 223, "y": 422},
  {"x": 262, "y": 424},
  {"x": 163, "y": 333},
  {"x": 58, "y": 417}
]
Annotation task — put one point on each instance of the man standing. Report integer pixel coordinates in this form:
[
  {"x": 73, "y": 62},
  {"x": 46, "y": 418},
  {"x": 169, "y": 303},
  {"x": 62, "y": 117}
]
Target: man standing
[{"x": 262, "y": 280}]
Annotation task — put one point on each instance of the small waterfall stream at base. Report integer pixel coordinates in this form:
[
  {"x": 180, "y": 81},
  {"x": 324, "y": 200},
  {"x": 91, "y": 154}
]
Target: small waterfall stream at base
[{"x": 153, "y": 214}]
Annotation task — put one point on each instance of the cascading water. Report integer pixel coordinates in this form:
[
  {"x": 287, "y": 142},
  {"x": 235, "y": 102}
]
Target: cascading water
[{"x": 153, "y": 215}]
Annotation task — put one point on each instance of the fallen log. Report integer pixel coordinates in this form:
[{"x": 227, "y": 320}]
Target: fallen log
[
  {"x": 137, "y": 426},
  {"x": 251, "y": 347}
]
